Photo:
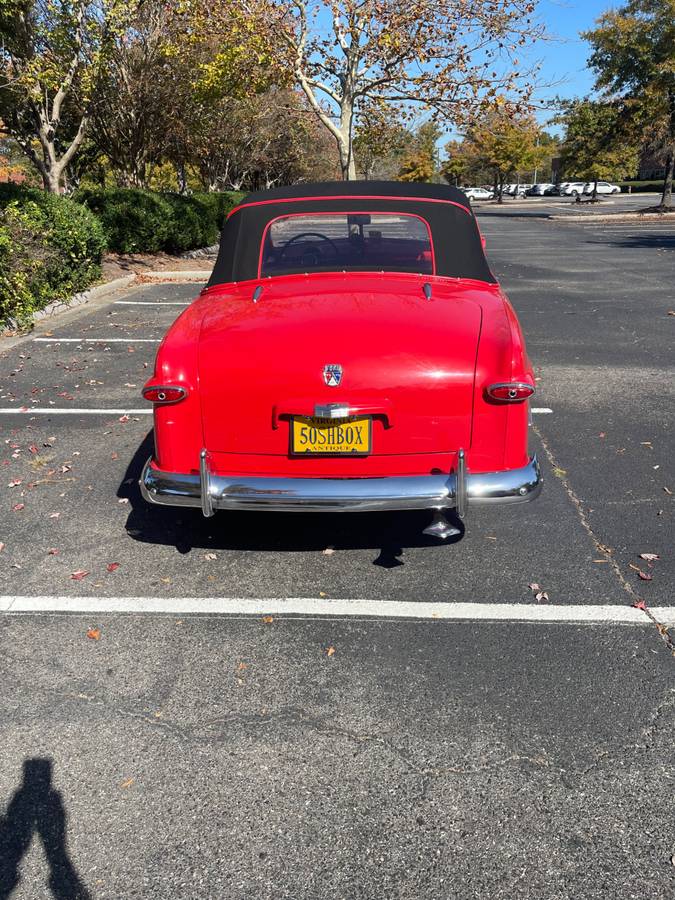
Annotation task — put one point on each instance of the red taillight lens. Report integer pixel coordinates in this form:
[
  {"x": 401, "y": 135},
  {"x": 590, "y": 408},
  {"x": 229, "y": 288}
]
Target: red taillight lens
[
  {"x": 163, "y": 393},
  {"x": 510, "y": 392}
]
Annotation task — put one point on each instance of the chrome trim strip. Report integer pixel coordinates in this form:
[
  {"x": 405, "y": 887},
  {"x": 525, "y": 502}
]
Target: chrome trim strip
[
  {"x": 337, "y": 494},
  {"x": 205, "y": 484},
  {"x": 460, "y": 476}
]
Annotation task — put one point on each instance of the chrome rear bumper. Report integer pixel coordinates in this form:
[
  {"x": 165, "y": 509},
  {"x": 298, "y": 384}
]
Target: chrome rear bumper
[{"x": 211, "y": 492}]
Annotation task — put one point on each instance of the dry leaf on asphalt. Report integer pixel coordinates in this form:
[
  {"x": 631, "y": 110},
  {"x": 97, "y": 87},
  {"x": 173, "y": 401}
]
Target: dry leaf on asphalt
[
  {"x": 52, "y": 551},
  {"x": 649, "y": 556},
  {"x": 640, "y": 604},
  {"x": 541, "y": 595},
  {"x": 54, "y": 515},
  {"x": 2, "y": 546},
  {"x": 210, "y": 556},
  {"x": 18, "y": 507},
  {"x": 127, "y": 783},
  {"x": 645, "y": 576},
  {"x": 123, "y": 419},
  {"x": 330, "y": 651},
  {"x": 329, "y": 551},
  {"x": 79, "y": 574},
  {"x": 94, "y": 634},
  {"x": 267, "y": 620},
  {"x": 242, "y": 666},
  {"x": 534, "y": 586},
  {"x": 112, "y": 566}
]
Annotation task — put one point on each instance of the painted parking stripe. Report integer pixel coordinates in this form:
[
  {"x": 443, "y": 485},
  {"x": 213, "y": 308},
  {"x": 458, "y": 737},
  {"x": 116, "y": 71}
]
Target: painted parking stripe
[
  {"x": 319, "y": 607},
  {"x": 115, "y": 340},
  {"x": 46, "y": 411},
  {"x": 151, "y": 302}
]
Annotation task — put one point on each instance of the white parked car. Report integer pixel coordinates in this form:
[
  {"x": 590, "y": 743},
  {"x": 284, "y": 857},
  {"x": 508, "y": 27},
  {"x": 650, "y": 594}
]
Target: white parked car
[
  {"x": 478, "y": 193},
  {"x": 515, "y": 190},
  {"x": 572, "y": 189},
  {"x": 604, "y": 187}
]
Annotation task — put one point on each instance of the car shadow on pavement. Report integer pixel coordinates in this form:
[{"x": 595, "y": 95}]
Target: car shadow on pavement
[
  {"x": 37, "y": 808},
  {"x": 185, "y": 528}
]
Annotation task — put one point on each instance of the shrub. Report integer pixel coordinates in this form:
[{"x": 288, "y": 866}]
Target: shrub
[
  {"x": 133, "y": 221},
  {"x": 50, "y": 248},
  {"x": 138, "y": 221}
]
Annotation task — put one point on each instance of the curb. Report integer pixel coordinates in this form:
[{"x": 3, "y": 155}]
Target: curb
[
  {"x": 201, "y": 252},
  {"x": 178, "y": 275},
  {"x": 99, "y": 290}
]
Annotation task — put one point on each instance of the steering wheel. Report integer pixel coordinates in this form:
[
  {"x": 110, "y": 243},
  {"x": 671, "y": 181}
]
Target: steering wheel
[{"x": 310, "y": 256}]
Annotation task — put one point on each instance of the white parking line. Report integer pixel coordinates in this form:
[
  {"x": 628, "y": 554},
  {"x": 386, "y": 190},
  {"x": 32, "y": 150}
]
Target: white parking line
[
  {"x": 115, "y": 340},
  {"x": 46, "y": 411},
  {"x": 151, "y": 303},
  {"x": 324, "y": 607}
]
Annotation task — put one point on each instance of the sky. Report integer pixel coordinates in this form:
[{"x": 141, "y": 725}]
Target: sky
[{"x": 564, "y": 59}]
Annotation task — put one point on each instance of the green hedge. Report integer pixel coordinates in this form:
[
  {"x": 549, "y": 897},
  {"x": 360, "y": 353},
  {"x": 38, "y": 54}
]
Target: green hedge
[
  {"x": 50, "y": 248},
  {"x": 639, "y": 187},
  {"x": 136, "y": 221}
]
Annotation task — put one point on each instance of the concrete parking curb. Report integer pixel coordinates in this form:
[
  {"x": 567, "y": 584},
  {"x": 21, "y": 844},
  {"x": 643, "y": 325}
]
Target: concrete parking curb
[
  {"x": 177, "y": 275},
  {"x": 96, "y": 292}
]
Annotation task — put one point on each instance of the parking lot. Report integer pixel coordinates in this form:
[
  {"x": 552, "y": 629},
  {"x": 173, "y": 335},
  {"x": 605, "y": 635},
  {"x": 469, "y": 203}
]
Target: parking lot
[{"x": 314, "y": 706}]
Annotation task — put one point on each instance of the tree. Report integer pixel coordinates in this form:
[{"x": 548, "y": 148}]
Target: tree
[
  {"x": 455, "y": 165},
  {"x": 380, "y": 139},
  {"x": 419, "y": 164},
  {"x": 51, "y": 51},
  {"x": 595, "y": 146},
  {"x": 634, "y": 58},
  {"x": 453, "y": 56},
  {"x": 502, "y": 143},
  {"x": 135, "y": 94}
]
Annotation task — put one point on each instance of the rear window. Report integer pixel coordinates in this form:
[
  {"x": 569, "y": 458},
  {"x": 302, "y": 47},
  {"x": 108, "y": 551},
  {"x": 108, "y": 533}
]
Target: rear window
[{"x": 351, "y": 242}]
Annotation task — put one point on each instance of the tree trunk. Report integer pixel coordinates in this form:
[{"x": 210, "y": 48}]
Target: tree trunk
[
  {"x": 51, "y": 179},
  {"x": 667, "y": 193},
  {"x": 594, "y": 195}
]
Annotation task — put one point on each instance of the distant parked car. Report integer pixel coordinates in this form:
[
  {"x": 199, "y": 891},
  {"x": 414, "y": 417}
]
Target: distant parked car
[
  {"x": 478, "y": 193},
  {"x": 539, "y": 189},
  {"x": 559, "y": 189},
  {"x": 515, "y": 190},
  {"x": 604, "y": 187},
  {"x": 573, "y": 189}
]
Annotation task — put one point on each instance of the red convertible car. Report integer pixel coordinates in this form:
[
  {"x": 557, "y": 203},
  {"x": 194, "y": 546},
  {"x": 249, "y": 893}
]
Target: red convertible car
[{"x": 352, "y": 351}]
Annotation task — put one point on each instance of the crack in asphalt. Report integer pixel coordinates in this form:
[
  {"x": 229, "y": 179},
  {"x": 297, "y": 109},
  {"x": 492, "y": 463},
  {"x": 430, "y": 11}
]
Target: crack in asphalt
[{"x": 606, "y": 551}]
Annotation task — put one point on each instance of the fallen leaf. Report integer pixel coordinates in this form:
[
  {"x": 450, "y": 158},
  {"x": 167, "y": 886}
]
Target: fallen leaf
[
  {"x": 210, "y": 556},
  {"x": 123, "y": 419},
  {"x": 541, "y": 595},
  {"x": 321, "y": 594},
  {"x": 600, "y": 560},
  {"x": 267, "y": 620},
  {"x": 329, "y": 551},
  {"x": 79, "y": 574},
  {"x": 640, "y": 604},
  {"x": 123, "y": 500},
  {"x": 33, "y": 449},
  {"x": 241, "y": 667},
  {"x": 54, "y": 515},
  {"x": 18, "y": 507},
  {"x": 634, "y": 567},
  {"x": 52, "y": 551},
  {"x": 112, "y": 566},
  {"x": 558, "y": 472},
  {"x": 2, "y": 546},
  {"x": 649, "y": 556},
  {"x": 330, "y": 651},
  {"x": 15, "y": 483},
  {"x": 534, "y": 586},
  {"x": 127, "y": 783},
  {"x": 94, "y": 634},
  {"x": 602, "y": 434},
  {"x": 165, "y": 580},
  {"x": 645, "y": 576},
  {"x": 668, "y": 491},
  {"x": 114, "y": 455}
]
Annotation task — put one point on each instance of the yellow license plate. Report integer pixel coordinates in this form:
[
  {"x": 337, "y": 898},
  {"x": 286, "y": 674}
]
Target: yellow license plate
[{"x": 333, "y": 437}]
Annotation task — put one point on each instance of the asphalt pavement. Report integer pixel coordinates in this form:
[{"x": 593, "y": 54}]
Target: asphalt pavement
[{"x": 334, "y": 755}]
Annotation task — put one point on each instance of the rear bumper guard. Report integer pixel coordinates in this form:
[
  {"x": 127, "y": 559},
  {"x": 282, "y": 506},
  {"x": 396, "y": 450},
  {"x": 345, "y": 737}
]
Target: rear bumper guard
[{"x": 457, "y": 490}]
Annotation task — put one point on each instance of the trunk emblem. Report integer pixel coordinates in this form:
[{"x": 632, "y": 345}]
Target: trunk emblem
[{"x": 332, "y": 375}]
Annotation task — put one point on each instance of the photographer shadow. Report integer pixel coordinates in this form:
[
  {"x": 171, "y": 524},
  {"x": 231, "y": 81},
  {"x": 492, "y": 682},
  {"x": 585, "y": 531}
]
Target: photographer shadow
[{"x": 36, "y": 808}]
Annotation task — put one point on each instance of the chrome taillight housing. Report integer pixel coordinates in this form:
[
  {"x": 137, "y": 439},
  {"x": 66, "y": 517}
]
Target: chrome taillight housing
[
  {"x": 510, "y": 391},
  {"x": 163, "y": 393}
]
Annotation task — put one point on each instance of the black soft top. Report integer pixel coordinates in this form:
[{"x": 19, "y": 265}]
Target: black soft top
[{"x": 458, "y": 249}]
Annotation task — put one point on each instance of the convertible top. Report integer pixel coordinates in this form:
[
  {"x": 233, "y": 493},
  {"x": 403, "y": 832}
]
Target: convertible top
[{"x": 458, "y": 249}]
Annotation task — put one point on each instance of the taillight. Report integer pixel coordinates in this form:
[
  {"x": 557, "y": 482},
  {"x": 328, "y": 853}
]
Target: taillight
[
  {"x": 156, "y": 393},
  {"x": 510, "y": 392}
]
